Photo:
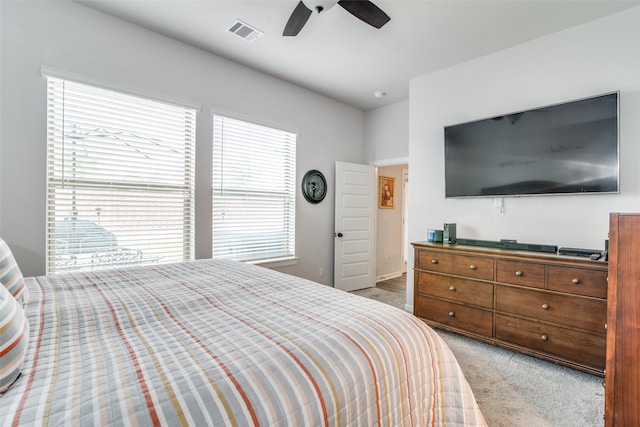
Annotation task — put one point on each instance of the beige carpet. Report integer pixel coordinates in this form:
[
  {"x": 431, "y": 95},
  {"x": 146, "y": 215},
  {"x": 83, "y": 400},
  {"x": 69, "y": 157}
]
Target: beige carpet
[
  {"x": 516, "y": 390},
  {"x": 395, "y": 299},
  {"x": 513, "y": 389}
]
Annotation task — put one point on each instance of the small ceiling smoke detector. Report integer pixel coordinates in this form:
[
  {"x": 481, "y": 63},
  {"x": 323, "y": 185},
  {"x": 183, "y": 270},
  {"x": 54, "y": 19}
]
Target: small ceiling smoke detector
[
  {"x": 379, "y": 94},
  {"x": 245, "y": 31}
]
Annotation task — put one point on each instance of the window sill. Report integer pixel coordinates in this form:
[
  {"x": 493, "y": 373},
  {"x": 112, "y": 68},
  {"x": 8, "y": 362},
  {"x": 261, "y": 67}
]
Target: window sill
[{"x": 276, "y": 262}]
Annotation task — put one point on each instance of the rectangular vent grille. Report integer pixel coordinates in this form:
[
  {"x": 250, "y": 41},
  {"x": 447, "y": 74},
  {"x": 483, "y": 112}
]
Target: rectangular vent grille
[{"x": 245, "y": 31}]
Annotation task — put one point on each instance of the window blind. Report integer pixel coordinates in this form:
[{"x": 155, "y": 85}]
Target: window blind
[
  {"x": 253, "y": 191},
  {"x": 120, "y": 179}
]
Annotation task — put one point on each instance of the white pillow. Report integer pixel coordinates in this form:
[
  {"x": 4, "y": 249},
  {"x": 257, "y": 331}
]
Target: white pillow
[
  {"x": 14, "y": 337},
  {"x": 10, "y": 274}
]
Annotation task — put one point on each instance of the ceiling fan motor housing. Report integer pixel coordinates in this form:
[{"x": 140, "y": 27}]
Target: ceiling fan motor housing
[
  {"x": 364, "y": 10},
  {"x": 319, "y": 5}
]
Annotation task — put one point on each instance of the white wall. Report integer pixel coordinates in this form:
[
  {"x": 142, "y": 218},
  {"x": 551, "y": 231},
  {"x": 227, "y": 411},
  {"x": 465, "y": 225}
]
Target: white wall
[
  {"x": 77, "y": 39},
  {"x": 387, "y": 146},
  {"x": 387, "y": 133},
  {"x": 594, "y": 58}
]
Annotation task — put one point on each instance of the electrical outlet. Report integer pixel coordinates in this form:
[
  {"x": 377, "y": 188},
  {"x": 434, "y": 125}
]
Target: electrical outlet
[{"x": 321, "y": 271}]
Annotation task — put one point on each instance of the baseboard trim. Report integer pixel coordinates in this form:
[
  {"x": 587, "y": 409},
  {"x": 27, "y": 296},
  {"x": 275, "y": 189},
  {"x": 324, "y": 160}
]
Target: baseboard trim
[{"x": 388, "y": 276}]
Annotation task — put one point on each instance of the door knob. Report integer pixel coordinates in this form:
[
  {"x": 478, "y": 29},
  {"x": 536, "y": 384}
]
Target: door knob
[{"x": 338, "y": 234}]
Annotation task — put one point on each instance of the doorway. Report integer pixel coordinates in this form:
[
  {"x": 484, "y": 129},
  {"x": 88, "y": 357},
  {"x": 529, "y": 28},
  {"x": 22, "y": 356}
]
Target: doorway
[{"x": 391, "y": 226}]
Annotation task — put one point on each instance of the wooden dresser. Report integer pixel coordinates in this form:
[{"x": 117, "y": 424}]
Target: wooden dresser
[
  {"x": 545, "y": 305},
  {"x": 622, "y": 381}
]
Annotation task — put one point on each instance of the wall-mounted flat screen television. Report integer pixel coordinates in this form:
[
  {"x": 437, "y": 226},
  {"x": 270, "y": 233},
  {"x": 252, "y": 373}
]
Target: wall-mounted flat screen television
[{"x": 568, "y": 148}]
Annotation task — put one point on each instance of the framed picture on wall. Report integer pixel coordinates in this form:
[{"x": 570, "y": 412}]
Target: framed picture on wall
[{"x": 386, "y": 189}]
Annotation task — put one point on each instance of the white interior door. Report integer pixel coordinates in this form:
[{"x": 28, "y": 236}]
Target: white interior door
[{"x": 354, "y": 241}]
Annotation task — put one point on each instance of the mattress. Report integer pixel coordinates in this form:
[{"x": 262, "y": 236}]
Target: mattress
[{"x": 213, "y": 342}]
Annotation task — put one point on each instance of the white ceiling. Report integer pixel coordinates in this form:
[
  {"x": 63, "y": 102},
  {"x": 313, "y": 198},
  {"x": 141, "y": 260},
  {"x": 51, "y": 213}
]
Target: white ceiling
[{"x": 341, "y": 57}]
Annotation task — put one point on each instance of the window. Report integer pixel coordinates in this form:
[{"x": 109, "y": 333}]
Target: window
[
  {"x": 120, "y": 179},
  {"x": 253, "y": 191}
]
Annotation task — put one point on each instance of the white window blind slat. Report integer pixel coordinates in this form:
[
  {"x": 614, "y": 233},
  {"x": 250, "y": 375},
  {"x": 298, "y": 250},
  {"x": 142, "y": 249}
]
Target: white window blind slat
[
  {"x": 253, "y": 191},
  {"x": 120, "y": 179}
]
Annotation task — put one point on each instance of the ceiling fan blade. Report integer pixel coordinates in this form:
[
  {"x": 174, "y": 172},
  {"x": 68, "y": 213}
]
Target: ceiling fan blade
[
  {"x": 298, "y": 18},
  {"x": 366, "y": 11}
]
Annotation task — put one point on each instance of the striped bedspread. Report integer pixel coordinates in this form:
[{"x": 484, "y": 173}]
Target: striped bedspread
[{"x": 224, "y": 343}]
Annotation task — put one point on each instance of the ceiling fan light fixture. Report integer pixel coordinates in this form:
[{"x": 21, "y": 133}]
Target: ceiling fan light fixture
[
  {"x": 319, "y": 5},
  {"x": 364, "y": 10}
]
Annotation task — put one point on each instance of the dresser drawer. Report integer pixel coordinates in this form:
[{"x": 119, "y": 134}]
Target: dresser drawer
[
  {"x": 458, "y": 316},
  {"x": 578, "y": 281},
  {"x": 473, "y": 266},
  {"x": 520, "y": 273},
  {"x": 456, "y": 289},
  {"x": 435, "y": 261},
  {"x": 575, "y": 346},
  {"x": 575, "y": 311}
]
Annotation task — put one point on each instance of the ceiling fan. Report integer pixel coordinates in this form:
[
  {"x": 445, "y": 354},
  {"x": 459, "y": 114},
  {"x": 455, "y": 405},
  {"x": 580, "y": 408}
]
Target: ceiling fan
[{"x": 364, "y": 10}]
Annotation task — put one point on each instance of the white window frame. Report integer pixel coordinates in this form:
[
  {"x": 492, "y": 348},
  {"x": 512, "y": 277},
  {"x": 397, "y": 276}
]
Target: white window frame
[
  {"x": 156, "y": 151},
  {"x": 253, "y": 191}
]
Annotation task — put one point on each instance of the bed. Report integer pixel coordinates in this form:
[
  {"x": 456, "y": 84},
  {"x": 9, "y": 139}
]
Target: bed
[{"x": 213, "y": 342}]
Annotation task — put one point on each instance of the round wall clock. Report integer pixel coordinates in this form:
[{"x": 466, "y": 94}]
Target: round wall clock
[{"x": 314, "y": 186}]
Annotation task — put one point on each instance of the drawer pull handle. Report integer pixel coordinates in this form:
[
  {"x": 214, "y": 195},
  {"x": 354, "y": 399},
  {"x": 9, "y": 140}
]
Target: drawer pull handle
[
  {"x": 452, "y": 288},
  {"x": 545, "y": 306},
  {"x": 544, "y": 338},
  {"x": 576, "y": 281},
  {"x": 451, "y": 314},
  {"x": 472, "y": 267},
  {"x": 434, "y": 261},
  {"x": 518, "y": 273}
]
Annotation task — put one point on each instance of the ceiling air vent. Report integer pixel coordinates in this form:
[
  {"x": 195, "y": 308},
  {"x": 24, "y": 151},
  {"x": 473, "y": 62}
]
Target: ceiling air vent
[{"x": 244, "y": 31}]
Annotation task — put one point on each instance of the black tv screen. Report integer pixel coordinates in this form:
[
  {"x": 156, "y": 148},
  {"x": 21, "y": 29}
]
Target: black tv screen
[{"x": 569, "y": 148}]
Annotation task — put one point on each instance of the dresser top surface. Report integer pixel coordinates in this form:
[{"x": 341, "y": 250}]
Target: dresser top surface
[{"x": 514, "y": 253}]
